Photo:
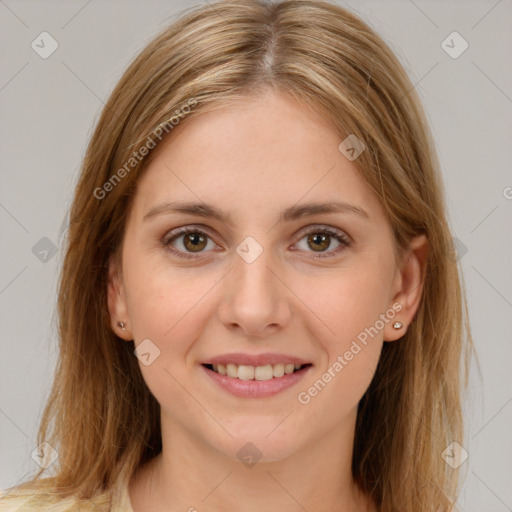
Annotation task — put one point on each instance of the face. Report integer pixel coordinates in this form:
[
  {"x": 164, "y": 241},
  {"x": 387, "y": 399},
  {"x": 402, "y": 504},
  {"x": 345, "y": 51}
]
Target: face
[{"x": 255, "y": 286}]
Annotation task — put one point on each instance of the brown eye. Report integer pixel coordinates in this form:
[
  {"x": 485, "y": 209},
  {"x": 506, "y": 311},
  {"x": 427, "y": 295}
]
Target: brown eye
[
  {"x": 319, "y": 241},
  {"x": 185, "y": 242},
  {"x": 194, "y": 242}
]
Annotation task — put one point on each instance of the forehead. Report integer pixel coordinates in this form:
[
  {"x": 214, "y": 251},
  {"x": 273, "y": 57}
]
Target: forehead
[{"x": 261, "y": 154}]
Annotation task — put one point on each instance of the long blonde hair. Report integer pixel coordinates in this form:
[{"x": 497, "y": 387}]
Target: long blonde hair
[{"x": 101, "y": 416}]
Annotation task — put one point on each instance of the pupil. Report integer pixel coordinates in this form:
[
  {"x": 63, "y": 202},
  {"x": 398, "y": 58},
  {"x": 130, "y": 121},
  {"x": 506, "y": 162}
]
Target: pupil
[
  {"x": 195, "y": 240},
  {"x": 318, "y": 239}
]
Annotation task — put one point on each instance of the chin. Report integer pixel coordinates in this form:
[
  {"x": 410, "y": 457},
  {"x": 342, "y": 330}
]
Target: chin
[{"x": 255, "y": 444}]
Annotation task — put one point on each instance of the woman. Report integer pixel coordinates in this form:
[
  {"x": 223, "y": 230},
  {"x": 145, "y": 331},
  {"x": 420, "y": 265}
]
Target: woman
[{"x": 259, "y": 304}]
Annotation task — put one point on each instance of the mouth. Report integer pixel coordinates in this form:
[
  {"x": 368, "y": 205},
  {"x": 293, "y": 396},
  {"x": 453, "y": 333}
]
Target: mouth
[
  {"x": 255, "y": 382},
  {"x": 259, "y": 373}
]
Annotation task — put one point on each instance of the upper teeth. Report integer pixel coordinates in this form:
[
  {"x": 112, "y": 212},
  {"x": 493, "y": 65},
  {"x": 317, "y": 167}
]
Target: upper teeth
[{"x": 245, "y": 372}]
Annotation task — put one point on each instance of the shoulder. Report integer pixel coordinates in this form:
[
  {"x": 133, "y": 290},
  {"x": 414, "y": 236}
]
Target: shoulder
[
  {"x": 10, "y": 503},
  {"x": 32, "y": 500}
]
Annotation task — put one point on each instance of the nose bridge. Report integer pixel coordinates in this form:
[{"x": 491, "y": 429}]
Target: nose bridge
[
  {"x": 254, "y": 298},
  {"x": 252, "y": 271}
]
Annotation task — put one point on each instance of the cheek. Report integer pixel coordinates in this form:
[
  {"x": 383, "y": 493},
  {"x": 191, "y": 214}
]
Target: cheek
[
  {"x": 346, "y": 302},
  {"x": 350, "y": 311},
  {"x": 167, "y": 305},
  {"x": 352, "y": 353},
  {"x": 169, "y": 309}
]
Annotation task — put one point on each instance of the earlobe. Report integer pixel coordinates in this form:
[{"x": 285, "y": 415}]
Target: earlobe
[
  {"x": 411, "y": 280},
  {"x": 116, "y": 299}
]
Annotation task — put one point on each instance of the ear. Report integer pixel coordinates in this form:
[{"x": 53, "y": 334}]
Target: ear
[
  {"x": 116, "y": 299},
  {"x": 408, "y": 286}
]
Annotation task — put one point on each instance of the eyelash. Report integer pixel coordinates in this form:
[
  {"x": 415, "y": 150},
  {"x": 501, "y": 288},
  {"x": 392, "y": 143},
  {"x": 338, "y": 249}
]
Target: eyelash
[{"x": 338, "y": 235}]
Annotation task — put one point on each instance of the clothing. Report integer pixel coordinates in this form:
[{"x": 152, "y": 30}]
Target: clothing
[
  {"x": 121, "y": 498},
  {"x": 117, "y": 500}
]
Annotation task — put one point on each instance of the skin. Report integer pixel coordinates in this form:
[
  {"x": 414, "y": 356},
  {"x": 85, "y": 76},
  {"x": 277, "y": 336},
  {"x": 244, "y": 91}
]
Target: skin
[{"x": 254, "y": 160}]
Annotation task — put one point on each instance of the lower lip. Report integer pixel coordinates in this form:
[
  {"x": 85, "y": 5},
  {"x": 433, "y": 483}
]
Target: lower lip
[{"x": 256, "y": 388}]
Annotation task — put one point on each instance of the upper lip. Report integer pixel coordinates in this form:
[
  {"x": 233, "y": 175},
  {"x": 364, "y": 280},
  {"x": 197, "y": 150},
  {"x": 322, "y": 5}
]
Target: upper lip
[{"x": 255, "y": 360}]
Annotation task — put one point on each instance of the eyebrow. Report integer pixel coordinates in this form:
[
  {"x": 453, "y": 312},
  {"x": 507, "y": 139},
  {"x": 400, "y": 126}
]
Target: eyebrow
[{"x": 289, "y": 214}]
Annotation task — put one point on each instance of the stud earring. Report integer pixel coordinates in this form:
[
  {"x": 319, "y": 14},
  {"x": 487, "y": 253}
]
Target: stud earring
[
  {"x": 122, "y": 325},
  {"x": 398, "y": 325}
]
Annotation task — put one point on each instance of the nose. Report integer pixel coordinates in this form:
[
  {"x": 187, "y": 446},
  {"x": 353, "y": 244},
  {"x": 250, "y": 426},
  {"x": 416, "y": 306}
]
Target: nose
[{"x": 255, "y": 298}]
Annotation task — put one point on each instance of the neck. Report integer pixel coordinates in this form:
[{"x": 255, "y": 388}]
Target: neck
[{"x": 191, "y": 476}]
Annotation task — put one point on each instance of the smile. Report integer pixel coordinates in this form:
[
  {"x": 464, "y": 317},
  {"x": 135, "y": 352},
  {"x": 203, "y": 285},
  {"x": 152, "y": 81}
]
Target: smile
[
  {"x": 245, "y": 381},
  {"x": 248, "y": 372}
]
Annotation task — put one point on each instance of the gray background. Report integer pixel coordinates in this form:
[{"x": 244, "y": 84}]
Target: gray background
[{"x": 48, "y": 110}]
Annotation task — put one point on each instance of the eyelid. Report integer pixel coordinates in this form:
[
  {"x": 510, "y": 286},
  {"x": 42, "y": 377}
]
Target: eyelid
[
  {"x": 303, "y": 231},
  {"x": 324, "y": 227},
  {"x": 183, "y": 230},
  {"x": 187, "y": 229},
  {"x": 343, "y": 238}
]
